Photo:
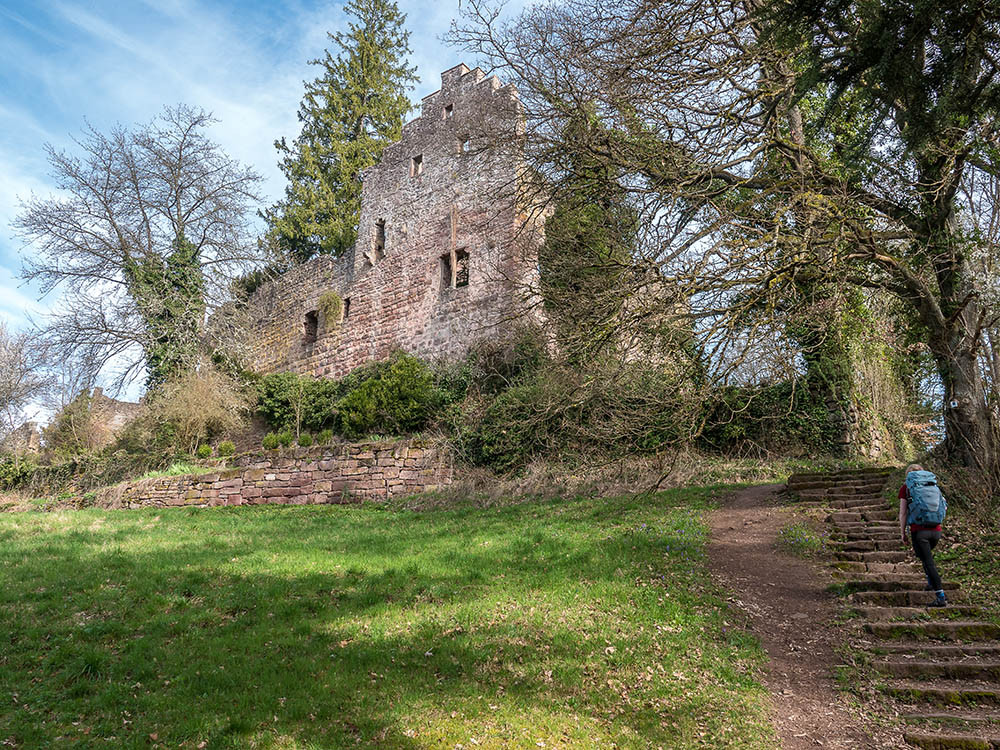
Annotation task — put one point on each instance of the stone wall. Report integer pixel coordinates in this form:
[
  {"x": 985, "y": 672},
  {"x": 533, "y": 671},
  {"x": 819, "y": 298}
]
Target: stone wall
[
  {"x": 443, "y": 198},
  {"x": 25, "y": 439},
  {"x": 353, "y": 473}
]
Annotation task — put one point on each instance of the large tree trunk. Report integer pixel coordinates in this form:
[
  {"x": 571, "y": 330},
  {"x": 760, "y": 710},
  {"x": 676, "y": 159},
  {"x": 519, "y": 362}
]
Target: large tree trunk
[{"x": 970, "y": 435}]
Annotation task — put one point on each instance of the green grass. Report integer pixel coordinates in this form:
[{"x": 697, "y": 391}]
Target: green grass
[
  {"x": 799, "y": 539},
  {"x": 585, "y": 623},
  {"x": 178, "y": 468}
]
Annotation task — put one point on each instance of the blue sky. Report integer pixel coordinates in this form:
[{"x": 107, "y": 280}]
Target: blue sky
[{"x": 106, "y": 62}]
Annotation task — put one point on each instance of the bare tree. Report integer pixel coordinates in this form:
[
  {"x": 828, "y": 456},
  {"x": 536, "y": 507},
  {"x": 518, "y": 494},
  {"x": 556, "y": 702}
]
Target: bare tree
[
  {"x": 151, "y": 225},
  {"x": 22, "y": 379}
]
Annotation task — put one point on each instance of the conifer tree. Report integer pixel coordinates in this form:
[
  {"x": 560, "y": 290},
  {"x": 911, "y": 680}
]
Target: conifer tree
[{"x": 348, "y": 114}]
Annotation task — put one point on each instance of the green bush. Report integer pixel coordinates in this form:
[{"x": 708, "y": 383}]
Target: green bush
[
  {"x": 15, "y": 472},
  {"x": 394, "y": 397},
  {"x": 607, "y": 411},
  {"x": 287, "y": 400},
  {"x": 493, "y": 365},
  {"x": 778, "y": 417},
  {"x": 285, "y": 438},
  {"x": 226, "y": 448},
  {"x": 324, "y": 437},
  {"x": 204, "y": 451},
  {"x": 270, "y": 441},
  {"x": 513, "y": 428},
  {"x": 305, "y": 440}
]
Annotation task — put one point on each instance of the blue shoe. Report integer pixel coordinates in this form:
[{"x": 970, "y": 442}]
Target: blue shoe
[{"x": 939, "y": 601}]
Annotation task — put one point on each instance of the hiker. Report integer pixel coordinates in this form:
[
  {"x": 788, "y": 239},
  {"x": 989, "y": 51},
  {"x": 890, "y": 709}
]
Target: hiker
[{"x": 922, "y": 508}]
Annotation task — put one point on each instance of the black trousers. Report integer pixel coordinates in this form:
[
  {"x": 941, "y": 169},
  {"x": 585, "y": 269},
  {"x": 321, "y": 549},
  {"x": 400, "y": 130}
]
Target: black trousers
[{"x": 923, "y": 542}]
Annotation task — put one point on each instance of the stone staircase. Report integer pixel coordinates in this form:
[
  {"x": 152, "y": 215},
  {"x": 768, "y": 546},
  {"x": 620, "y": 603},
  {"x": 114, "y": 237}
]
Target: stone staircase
[{"x": 940, "y": 665}]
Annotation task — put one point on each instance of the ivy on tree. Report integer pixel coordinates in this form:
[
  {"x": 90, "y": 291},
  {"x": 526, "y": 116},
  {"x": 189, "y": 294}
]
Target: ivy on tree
[
  {"x": 349, "y": 114},
  {"x": 148, "y": 223}
]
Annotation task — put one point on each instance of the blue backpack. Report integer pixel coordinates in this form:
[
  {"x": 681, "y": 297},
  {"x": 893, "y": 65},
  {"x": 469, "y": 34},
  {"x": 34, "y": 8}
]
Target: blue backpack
[{"x": 927, "y": 504}]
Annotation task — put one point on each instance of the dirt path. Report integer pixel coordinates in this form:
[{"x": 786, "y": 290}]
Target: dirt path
[{"x": 787, "y": 607}]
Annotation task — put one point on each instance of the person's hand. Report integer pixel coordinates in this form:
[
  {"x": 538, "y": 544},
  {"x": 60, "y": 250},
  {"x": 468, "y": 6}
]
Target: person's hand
[{"x": 902, "y": 537}]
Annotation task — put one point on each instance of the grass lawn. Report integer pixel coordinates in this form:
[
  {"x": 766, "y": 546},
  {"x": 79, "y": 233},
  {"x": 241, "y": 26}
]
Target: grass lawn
[{"x": 589, "y": 623}]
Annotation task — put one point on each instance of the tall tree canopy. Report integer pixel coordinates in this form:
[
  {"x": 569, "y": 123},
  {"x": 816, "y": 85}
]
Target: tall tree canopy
[
  {"x": 348, "y": 114},
  {"x": 776, "y": 147},
  {"x": 150, "y": 225},
  {"x": 924, "y": 80}
]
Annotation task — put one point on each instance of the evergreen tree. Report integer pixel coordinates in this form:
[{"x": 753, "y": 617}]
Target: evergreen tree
[{"x": 348, "y": 114}]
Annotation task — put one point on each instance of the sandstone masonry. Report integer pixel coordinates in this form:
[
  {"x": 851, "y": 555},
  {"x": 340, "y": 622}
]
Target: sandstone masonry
[
  {"x": 443, "y": 255},
  {"x": 353, "y": 473}
]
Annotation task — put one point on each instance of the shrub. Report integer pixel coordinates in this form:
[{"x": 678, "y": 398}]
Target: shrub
[
  {"x": 513, "y": 428},
  {"x": 395, "y": 396},
  {"x": 285, "y": 438},
  {"x": 287, "y": 400},
  {"x": 75, "y": 429},
  {"x": 15, "y": 472},
  {"x": 607, "y": 412},
  {"x": 204, "y": 451},
  {"x": 270, "y": 441},
  {"x": 493, "y": 365},
  {"x": 305, "y": 440},
  {"x": 779, "y": 417},
  {"x": 194, "y": 407},
  {"x": 226, "y": 448},
  {"x": 324, "y": 436}
]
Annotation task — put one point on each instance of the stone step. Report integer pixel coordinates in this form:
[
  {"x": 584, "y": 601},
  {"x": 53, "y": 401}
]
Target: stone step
[
  {"x": 905, "y": 598},
  {"x": 893, "y": 584},
  {"x": 864, "y": 527},
  {"x": 936, "y": 629},
  {"x": 841, "y": 491},
  {"x": 824, "y": 478},
  {"x": 935, "y": 741},
  {"x": 909, "y": 569},
  {"x": 926, "y": 613},
  {"x": 989, "y": 649},
  {"x": 859, "y": 504},
  {"x": 845, "y": 505},
  {"x": 889, "y": 569},
  {"x": 874, "y": 557},
  {"x": 866, "y": 535},
  {"x": 944, "y": 694},
  {"x": 913, "y": 669},
  {"x": 848, "y": 516},
  {"x": 953, "y": 716},
  {"x": 809, "y": 477},
  {"x": 866, "y": 545}
]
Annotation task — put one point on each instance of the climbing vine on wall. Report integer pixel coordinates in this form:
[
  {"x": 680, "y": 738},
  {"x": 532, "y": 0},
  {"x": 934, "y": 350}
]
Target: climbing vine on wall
[{"x": 331, "y": 308}]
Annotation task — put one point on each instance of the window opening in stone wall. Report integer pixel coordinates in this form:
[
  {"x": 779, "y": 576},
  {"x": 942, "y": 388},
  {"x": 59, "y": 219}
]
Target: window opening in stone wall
[
  {"x": 455, "y": 269},
  {"x": 310, "y": 326},
  {"x": 379, "y": 240},
  {"x": 347, "y": 308},
  {"x": 463, "y": 144},
  {"x": 446, "y": 267},
  {"x": 448, "y": 111},
  {"x": 417, "y": 165},
  {"x": 461, "y": 268}
]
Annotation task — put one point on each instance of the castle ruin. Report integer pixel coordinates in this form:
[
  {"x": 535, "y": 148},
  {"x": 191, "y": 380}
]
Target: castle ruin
[{"x": 444, "y": 252}]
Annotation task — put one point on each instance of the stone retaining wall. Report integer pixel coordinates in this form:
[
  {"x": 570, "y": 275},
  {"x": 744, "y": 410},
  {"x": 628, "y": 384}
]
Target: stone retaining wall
[{"x": 353, "y": 473}]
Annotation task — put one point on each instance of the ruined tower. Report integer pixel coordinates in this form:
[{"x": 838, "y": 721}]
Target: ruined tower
[{"x": 444, "y": 254}]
